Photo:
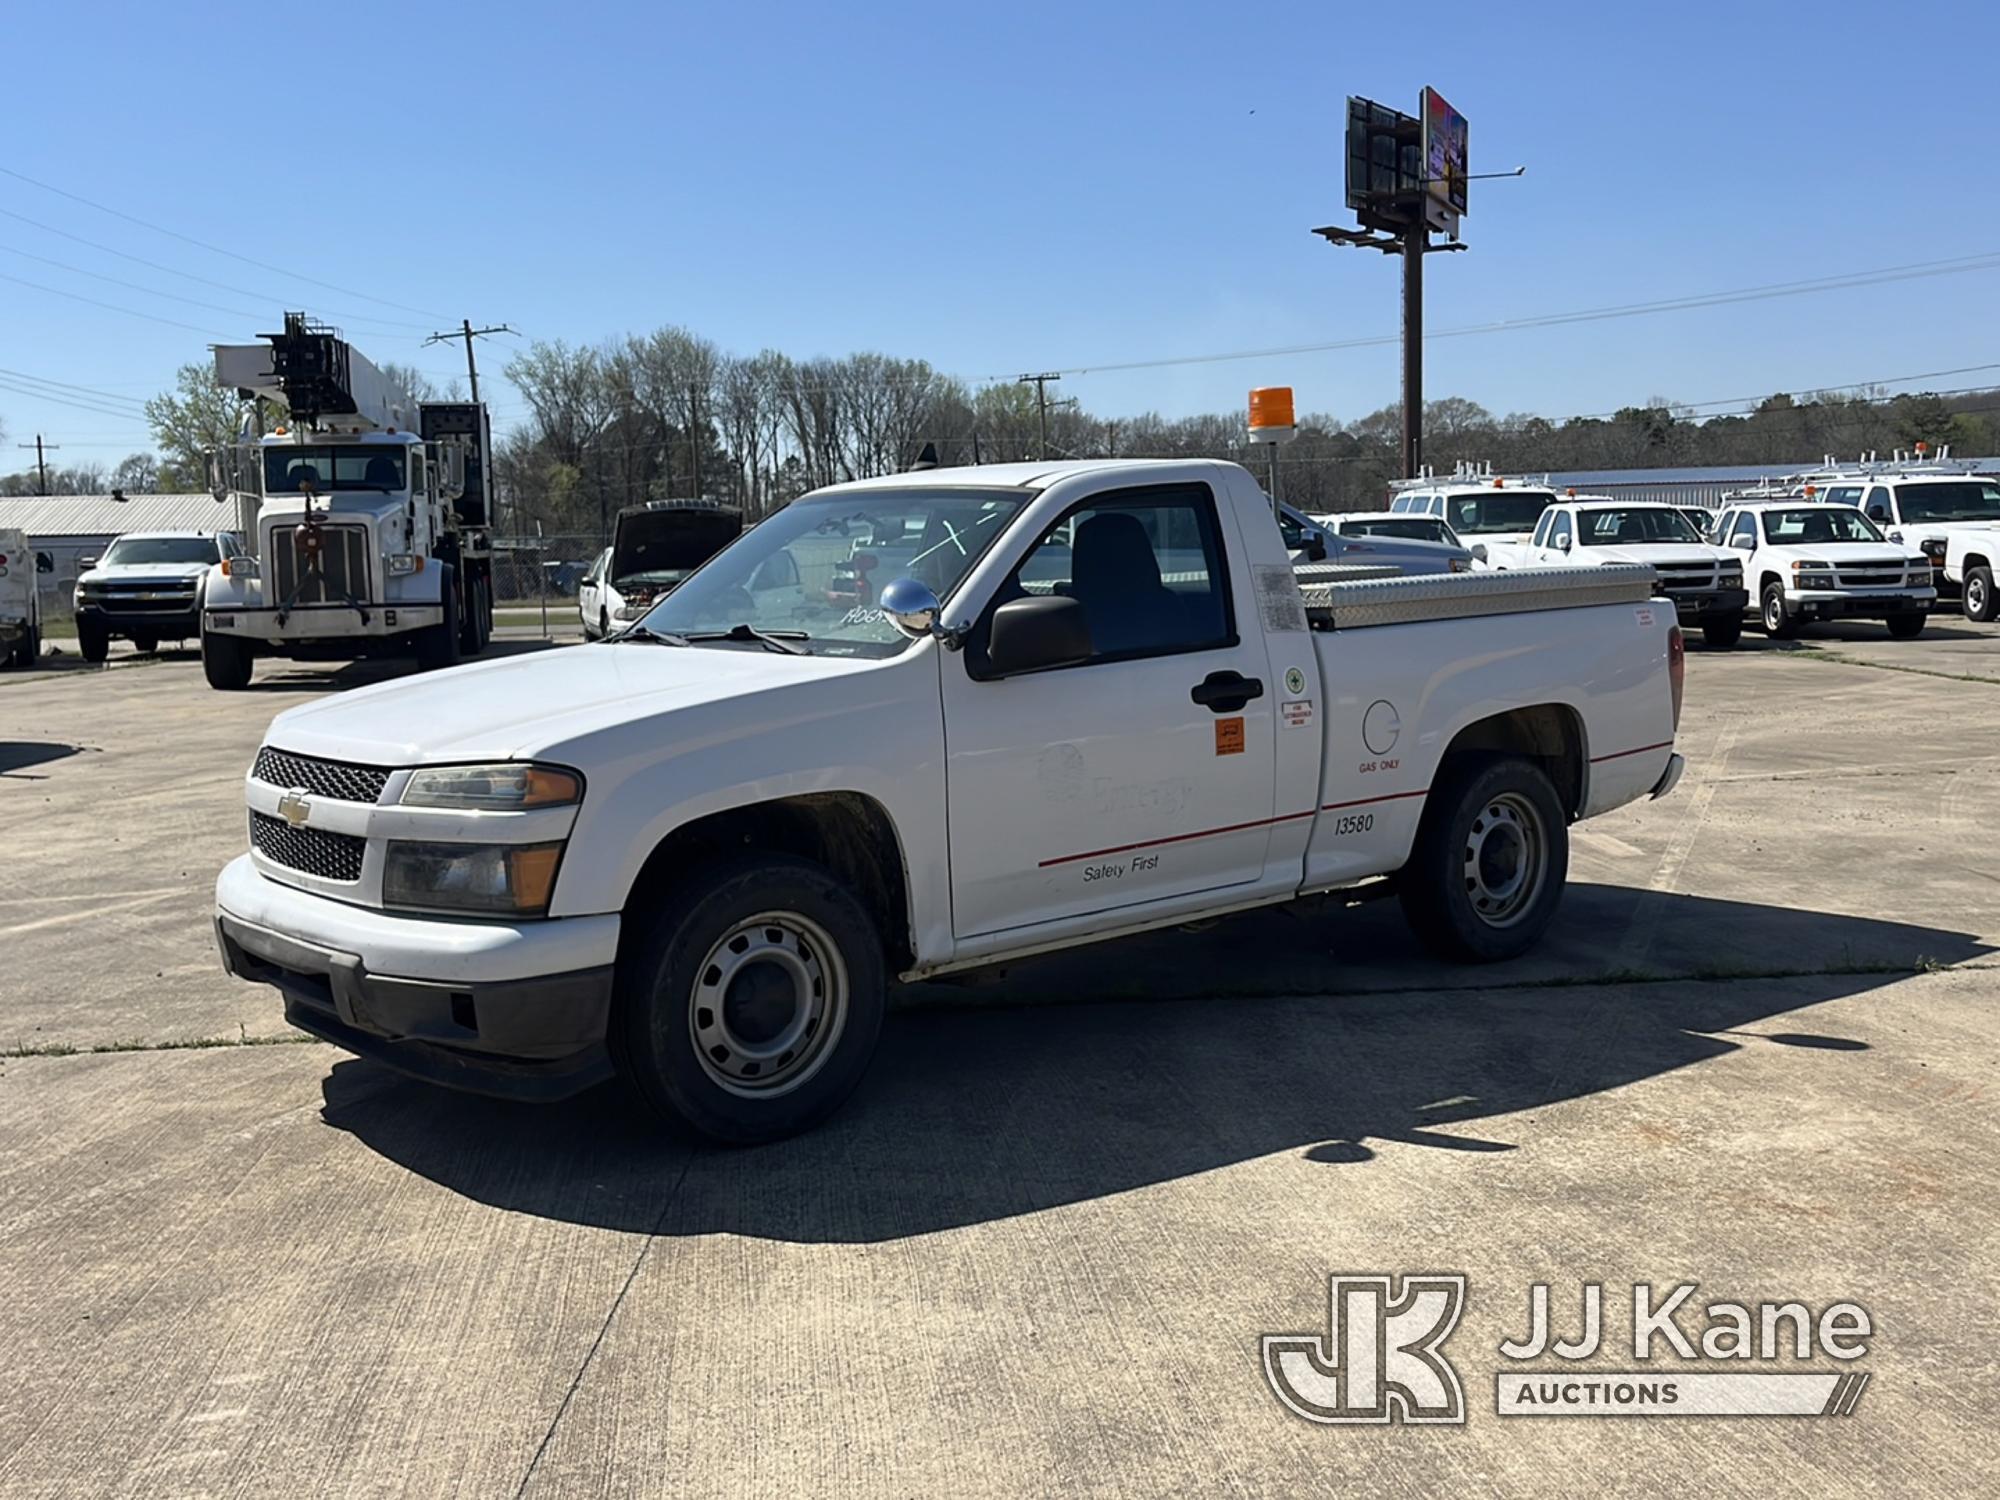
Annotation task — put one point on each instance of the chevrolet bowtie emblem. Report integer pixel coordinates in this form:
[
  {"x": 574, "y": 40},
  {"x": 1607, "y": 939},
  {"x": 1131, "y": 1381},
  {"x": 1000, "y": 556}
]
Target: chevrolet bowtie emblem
[{"x": 294, "y": 807}]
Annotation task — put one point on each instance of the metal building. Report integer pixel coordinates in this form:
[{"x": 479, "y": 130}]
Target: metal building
[{"x": 73, "y": 527}]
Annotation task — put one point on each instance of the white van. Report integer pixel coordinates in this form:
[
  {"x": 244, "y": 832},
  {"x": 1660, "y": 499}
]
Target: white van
[{"x": 20, "y": 598}]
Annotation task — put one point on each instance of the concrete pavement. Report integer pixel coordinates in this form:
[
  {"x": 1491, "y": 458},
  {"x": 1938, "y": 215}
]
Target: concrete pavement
[{"x": 1038, "y": 1250}]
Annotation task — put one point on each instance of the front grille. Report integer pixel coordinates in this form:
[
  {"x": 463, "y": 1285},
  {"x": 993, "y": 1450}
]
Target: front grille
[
  {"x": 1872, "y": 578},
  {"x": 323, "y": 778},
  {"x": 312, "y": 851},
  {"x": 140, "y": 598},
  {"x": 342, "y": 572},
  {"x": 1685, "y": 575}
]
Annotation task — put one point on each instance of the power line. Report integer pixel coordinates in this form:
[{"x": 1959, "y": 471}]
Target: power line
[
  {"x": 105, "y": 411},
  {"x": 64, "y": 385},
  {"x": 132, "y": 286},
  {"x": 130, "y": 312},
  {"x": 212, "y": 249},
  {"x": 1985, "y": 261},
  {"x": 221, "y": 286}
]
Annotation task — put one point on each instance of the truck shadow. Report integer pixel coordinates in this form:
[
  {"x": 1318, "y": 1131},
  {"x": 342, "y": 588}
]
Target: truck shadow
[{"x": 1059, "y": 1095}]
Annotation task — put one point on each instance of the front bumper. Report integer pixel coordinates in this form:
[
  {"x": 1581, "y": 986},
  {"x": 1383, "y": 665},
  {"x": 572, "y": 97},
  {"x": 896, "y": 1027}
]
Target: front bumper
[
  {"x": 1849, "y": 604},
  {"x": 320, "y": 622},
  {"x": 176, "y": 621},
  {"x": 518, "y": 1010},
  {"x": 1689, "y": 603}
]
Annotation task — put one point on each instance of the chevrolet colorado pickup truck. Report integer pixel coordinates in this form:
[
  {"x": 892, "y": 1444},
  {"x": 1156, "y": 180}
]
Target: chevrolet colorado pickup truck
[
  {"x": 1096, "y": 700},
  {"x": 1704, "y": 582}
]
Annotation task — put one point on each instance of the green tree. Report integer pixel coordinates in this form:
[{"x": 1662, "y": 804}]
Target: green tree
[{"x": 188, "y": 421}]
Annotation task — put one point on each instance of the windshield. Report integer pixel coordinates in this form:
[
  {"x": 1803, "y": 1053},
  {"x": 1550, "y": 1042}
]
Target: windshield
[
  {"x": 1817, "y": 525},
  {"x": 359, "y": 468},
  {"x": 818, "y": 566},
  {"x": 1957, "y": 500},
  {"x": 1613, "y": 528},
  {"x": 161, "y": 549},
  {"x": 1502, "y": 510},
  {"x": 1416, "y": 528}
]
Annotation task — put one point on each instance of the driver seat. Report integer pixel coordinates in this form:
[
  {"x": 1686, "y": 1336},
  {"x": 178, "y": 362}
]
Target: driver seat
[{"x": 1115, "y": 575}]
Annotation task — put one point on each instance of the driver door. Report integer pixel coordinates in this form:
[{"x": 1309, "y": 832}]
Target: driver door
[{"x": 1124, "y": 779}]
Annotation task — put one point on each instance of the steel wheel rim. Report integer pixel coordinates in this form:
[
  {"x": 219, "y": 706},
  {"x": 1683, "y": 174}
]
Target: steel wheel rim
[
  {"x": 1975, "y": 596},
  {"x": 768, "y": 1004},
  {"x": 1774, "y": 612},
  {"x": 1506, "y": 859}
]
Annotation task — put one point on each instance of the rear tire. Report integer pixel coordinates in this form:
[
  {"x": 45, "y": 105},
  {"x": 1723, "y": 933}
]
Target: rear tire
[
  {"x": 1981, "y": 603},
  {"x": 93, "y": 642},
  {"x": 472, "y": 630},
  {"x": 1491, "y": 857},
  {"x": 1778, "y": 622},
  {"x": 439, "y": 644},
  {"x": 145, "y": 643},
  {"x": 750, "y": 1007},
  {"x": 1720, "y": 632},
  {"x": 226, "y": 661},
  {"x": 1907, "y": 627},
  {"x": 28, "y": 650}
]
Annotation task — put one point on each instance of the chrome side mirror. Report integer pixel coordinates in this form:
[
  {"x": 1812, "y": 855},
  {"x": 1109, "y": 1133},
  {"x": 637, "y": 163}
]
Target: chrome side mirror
[{"x": 911, "y": 607}]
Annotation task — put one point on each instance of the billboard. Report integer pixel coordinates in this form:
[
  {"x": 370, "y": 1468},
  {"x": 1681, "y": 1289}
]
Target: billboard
[
  {"x": 1444, "y": 161},
  {"x": 1385, "y": 166}
]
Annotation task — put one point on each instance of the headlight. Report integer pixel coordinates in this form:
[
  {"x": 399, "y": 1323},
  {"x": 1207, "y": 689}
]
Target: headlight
[
  {"x": 508, "y": 879},
  {"x": 403, "y": 564},
  {"x": 240, "y": 567},
  {"x": 507, "y": 787},
  {"x": 1921, "y": 579}
]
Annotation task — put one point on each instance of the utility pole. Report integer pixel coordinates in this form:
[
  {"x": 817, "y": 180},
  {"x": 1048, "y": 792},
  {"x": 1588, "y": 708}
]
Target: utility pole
[
  {"x": 41, "y": 462},
  {"x": 694, "y": 441},
  {"x": 1042, "y": 405},
  {"x": 467, "y": 332}
]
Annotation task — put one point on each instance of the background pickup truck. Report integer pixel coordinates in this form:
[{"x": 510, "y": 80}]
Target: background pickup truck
[
  {"x": 1703, "y": 582},
  {"x": 1096, "y": 701}
]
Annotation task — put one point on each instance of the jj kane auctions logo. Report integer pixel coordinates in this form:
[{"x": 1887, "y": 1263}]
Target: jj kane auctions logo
[{"x": 1382, "y": 1357}]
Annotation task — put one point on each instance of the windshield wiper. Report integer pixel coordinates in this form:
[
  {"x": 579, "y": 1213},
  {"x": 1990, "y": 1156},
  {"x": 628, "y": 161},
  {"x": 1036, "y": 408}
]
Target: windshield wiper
[
  {"x": 639, "y": 632},
  {"x": 772, "y": 640}
]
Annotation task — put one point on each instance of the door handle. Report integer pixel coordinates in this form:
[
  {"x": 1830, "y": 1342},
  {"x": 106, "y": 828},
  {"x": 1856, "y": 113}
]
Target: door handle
[{"x": 1226, "y": 692}]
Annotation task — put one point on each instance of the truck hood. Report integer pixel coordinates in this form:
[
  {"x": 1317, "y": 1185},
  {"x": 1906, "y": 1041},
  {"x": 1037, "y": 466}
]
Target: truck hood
[
  {"x": 520, "y": 706},
  {"x": 1849, "y": 555},
  {"x": 663, "y": 543},
  {"x": 146, "y": 573},
  {"x": 1654, "y": 553}
]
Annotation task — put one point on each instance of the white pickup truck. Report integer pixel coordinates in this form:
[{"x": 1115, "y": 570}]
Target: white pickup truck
[
  {"x": 1705, "y": 582},
  {"x": 1949, "y": 514},
  {"x": 693, "y": 856}
]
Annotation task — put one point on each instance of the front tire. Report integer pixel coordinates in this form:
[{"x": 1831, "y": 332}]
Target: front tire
[
  {"x": 28, "y": 650},
  {"x": 1720, "y": 632},
  {"x": 225, "y": 661},
  {"x": 93, "y": 642},
  {"x": 145, "y": 643},
  {"x": 1907, "y": 627},
  {"x": 1778, "y": 622},
  {"x": 439, "y": 644},
  {"x": 751, "y": 1006},
  {"x": 1981, "y": 603},
  {"x": 1490, "y": 860}
]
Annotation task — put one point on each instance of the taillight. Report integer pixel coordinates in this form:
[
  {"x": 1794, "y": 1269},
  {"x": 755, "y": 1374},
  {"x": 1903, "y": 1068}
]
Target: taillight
[{"x": 1677, "y": 661}]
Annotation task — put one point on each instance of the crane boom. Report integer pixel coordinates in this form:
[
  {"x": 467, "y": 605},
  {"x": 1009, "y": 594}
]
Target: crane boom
[{"x": 324, "y": 381}]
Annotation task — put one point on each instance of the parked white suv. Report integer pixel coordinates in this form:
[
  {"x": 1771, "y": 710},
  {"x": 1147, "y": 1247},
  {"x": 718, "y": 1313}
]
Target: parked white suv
[
  {"x": 1809, "y": 561},
  {"x": 1704, "y": 581}
]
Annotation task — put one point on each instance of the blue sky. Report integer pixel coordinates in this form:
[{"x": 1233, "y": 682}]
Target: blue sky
[{"x": 1000, "y": 189}]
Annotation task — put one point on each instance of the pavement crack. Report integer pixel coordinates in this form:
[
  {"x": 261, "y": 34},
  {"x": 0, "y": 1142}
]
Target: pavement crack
[
  {"x": 610, "y": 1316},
  {"x": 184, "y": 1044}
]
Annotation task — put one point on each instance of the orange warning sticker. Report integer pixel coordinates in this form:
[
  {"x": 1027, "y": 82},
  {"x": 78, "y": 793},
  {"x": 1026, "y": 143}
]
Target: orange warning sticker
[{"x": 1229, "y": 736}]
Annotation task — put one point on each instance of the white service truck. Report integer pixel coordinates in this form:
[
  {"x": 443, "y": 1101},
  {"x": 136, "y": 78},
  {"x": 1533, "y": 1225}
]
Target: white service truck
[
  {"x": 692, "y": 856},
  {"x": 1705, "y": 582},
  {"x": 20, "y": 598},
  {"x": 366, "y": 515},
  {"x": 1493, "y": 514},
  {"x": 1947, "y": 511}
]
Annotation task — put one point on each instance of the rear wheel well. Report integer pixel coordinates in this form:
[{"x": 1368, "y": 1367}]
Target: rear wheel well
[
  {"x": 1549, "y": 734},
  {"x": 849, "y": 834}
]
